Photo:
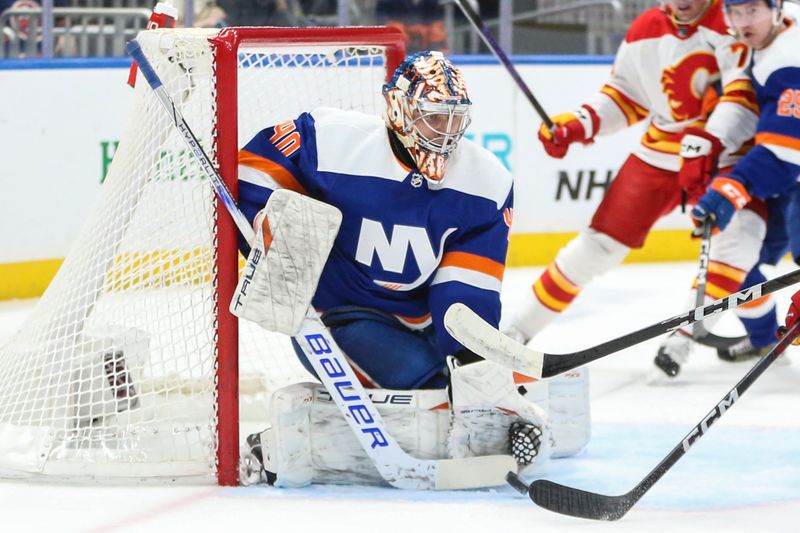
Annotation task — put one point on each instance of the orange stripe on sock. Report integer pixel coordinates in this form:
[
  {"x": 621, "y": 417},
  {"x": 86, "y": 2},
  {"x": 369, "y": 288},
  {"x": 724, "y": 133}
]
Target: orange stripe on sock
[{"x": 545, "y": 299}]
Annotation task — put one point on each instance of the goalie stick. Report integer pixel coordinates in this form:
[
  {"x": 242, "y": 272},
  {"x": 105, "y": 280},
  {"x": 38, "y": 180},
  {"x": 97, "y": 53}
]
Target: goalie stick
[
  {"x": 501, "y": 56},
  {"x": 395, "y": 466},
  {"x": 477, "y": 335},
  {"x": 583, "y": 504},
  {"x": 699, "y": 333}
]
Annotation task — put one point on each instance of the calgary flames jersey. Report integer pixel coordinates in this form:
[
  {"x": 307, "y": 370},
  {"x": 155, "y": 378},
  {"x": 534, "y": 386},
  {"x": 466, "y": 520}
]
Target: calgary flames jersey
[{"x": 679, "y": 76}]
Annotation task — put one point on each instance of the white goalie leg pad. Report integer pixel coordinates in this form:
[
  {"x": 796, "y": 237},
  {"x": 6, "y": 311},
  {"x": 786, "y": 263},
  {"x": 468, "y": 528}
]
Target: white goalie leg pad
[
  {"x": 310, "y": 442},
  {"x": 486, "y": 401},
  {"x": 569, "y": 411},
  {"x": 292, "y": 243}
]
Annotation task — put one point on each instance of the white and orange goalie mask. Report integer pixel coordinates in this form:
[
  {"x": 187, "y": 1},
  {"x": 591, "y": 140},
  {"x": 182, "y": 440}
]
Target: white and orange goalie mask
[{"x": 428, "y": 108}]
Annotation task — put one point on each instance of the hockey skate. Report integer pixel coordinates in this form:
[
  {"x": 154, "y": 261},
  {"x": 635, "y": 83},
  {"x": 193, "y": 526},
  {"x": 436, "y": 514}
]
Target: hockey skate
[
  {"x": 252, "y": 467},
  {"x": 673, "y": 353},
  {"x": 745, "y": 351}
]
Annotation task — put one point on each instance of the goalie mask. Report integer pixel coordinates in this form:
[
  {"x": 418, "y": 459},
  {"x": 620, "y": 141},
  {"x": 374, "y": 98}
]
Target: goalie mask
[{"x": 428, "y": 108}]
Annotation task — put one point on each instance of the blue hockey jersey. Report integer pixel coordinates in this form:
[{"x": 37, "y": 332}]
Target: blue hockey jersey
[
  {"x": 773, "y": 166},
  {"x": 402, "y": 248}
]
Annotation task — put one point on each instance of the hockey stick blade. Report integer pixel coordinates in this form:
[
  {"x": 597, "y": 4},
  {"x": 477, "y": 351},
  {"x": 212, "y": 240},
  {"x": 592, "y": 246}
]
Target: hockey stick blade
[
  {"x": 477, "y": 335},
  {"x": 584, "y": 504},
  {"x": 713, "y": 340}
]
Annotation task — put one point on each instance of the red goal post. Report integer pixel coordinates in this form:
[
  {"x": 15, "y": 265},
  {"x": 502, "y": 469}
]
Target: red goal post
[{"x": 227, "y": 44}]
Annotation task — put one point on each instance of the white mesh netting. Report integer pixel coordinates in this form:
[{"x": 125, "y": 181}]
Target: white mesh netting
[{"x": 113, "y": 375}]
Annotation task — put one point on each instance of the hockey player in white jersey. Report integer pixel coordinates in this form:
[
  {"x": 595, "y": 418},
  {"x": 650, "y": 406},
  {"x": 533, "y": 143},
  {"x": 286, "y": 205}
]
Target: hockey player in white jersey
[
  {"x": 673, "y": 61},
  {"x": 425, "y": 223},
  {"x": 772, "y": 168}
]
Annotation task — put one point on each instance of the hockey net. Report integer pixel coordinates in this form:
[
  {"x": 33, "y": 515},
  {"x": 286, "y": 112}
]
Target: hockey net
[{"x": 127, "y": 368}]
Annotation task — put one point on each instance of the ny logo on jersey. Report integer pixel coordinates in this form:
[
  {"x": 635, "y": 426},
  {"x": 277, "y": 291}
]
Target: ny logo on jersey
[{"x": 392, "y": 252}]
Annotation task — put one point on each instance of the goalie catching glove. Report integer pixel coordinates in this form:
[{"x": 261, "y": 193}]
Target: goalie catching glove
[
  {"x": 578, "y": 126},
  {"x": 490, "y": 415}
]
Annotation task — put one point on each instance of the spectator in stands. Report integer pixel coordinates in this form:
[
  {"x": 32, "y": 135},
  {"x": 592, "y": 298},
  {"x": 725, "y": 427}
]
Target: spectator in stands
[
  {"x": 262, "y": 13},
  {"x": 207, "y": 14},
  {"x": 421, "y": 21}
]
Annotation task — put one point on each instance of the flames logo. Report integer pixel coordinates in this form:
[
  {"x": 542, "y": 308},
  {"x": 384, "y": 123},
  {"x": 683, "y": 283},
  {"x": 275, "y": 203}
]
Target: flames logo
[{"x": 686, "y": 82}]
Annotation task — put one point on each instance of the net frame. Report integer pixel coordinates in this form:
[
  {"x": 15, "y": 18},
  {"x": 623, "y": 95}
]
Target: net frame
[{"x": 225, "y": 46}]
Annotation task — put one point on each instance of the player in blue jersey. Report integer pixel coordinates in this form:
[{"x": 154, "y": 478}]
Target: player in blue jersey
[
  {"x": 426, "y": 217},
  {"x": 771, "y": 169}
]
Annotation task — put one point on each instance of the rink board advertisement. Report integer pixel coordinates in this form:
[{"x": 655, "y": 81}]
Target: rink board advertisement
[{"x": 62, "y": 121}]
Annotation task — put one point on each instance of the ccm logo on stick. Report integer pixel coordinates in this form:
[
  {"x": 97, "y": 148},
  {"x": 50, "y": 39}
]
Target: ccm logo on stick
[{"x": 344, "y": 388}]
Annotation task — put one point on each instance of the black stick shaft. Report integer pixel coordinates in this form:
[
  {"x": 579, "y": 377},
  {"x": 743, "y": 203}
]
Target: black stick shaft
[
  {"x": 576, "y": 502},
  {"x": 716, "y": 413},
  {"x": 702, "y": 276},
  {"x": 555, "y": 364},
  {"x": 494, "y": 46}
]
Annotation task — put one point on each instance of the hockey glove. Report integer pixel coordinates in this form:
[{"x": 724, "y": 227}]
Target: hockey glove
[
  {"x": 792, "y": 317},
  {"x": 579, "y": 126},
  {"x": 699, "y": 156},
  {"x": 725, "y": 196}
]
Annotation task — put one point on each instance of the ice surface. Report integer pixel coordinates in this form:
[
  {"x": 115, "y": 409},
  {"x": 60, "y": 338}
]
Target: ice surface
[{"x": 744, "y": 475}]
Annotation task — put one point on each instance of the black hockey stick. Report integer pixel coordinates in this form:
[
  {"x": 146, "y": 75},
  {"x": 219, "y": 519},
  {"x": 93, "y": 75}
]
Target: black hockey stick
[
  {"x": 501, "y": 56},
  {"x": 477, "y": 335},
  {"x": 583, "y": 504},
  {"x": 699, "y": 333}
]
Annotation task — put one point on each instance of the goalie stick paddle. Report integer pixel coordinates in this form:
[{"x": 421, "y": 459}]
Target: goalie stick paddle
[
  {"x": 501, "y": 56},
  {"x": 699, "y": 333},
  {"x": 398, "y": 468},
  {"x": 584, "y": 504},
  {"x": 477, "y": 335}
]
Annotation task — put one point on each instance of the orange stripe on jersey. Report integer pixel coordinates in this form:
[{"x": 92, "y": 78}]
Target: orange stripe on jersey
[
  {"x": 778, "y": 140},
  {"x": 474, "y": 262},
  {"x": 741, "y": 92},
  {"x": 285, "y": 178},
  {"x": 662, "y": 141},
  {"x": 633, "y": 111},
  {"x": 415, "y": 320}
]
